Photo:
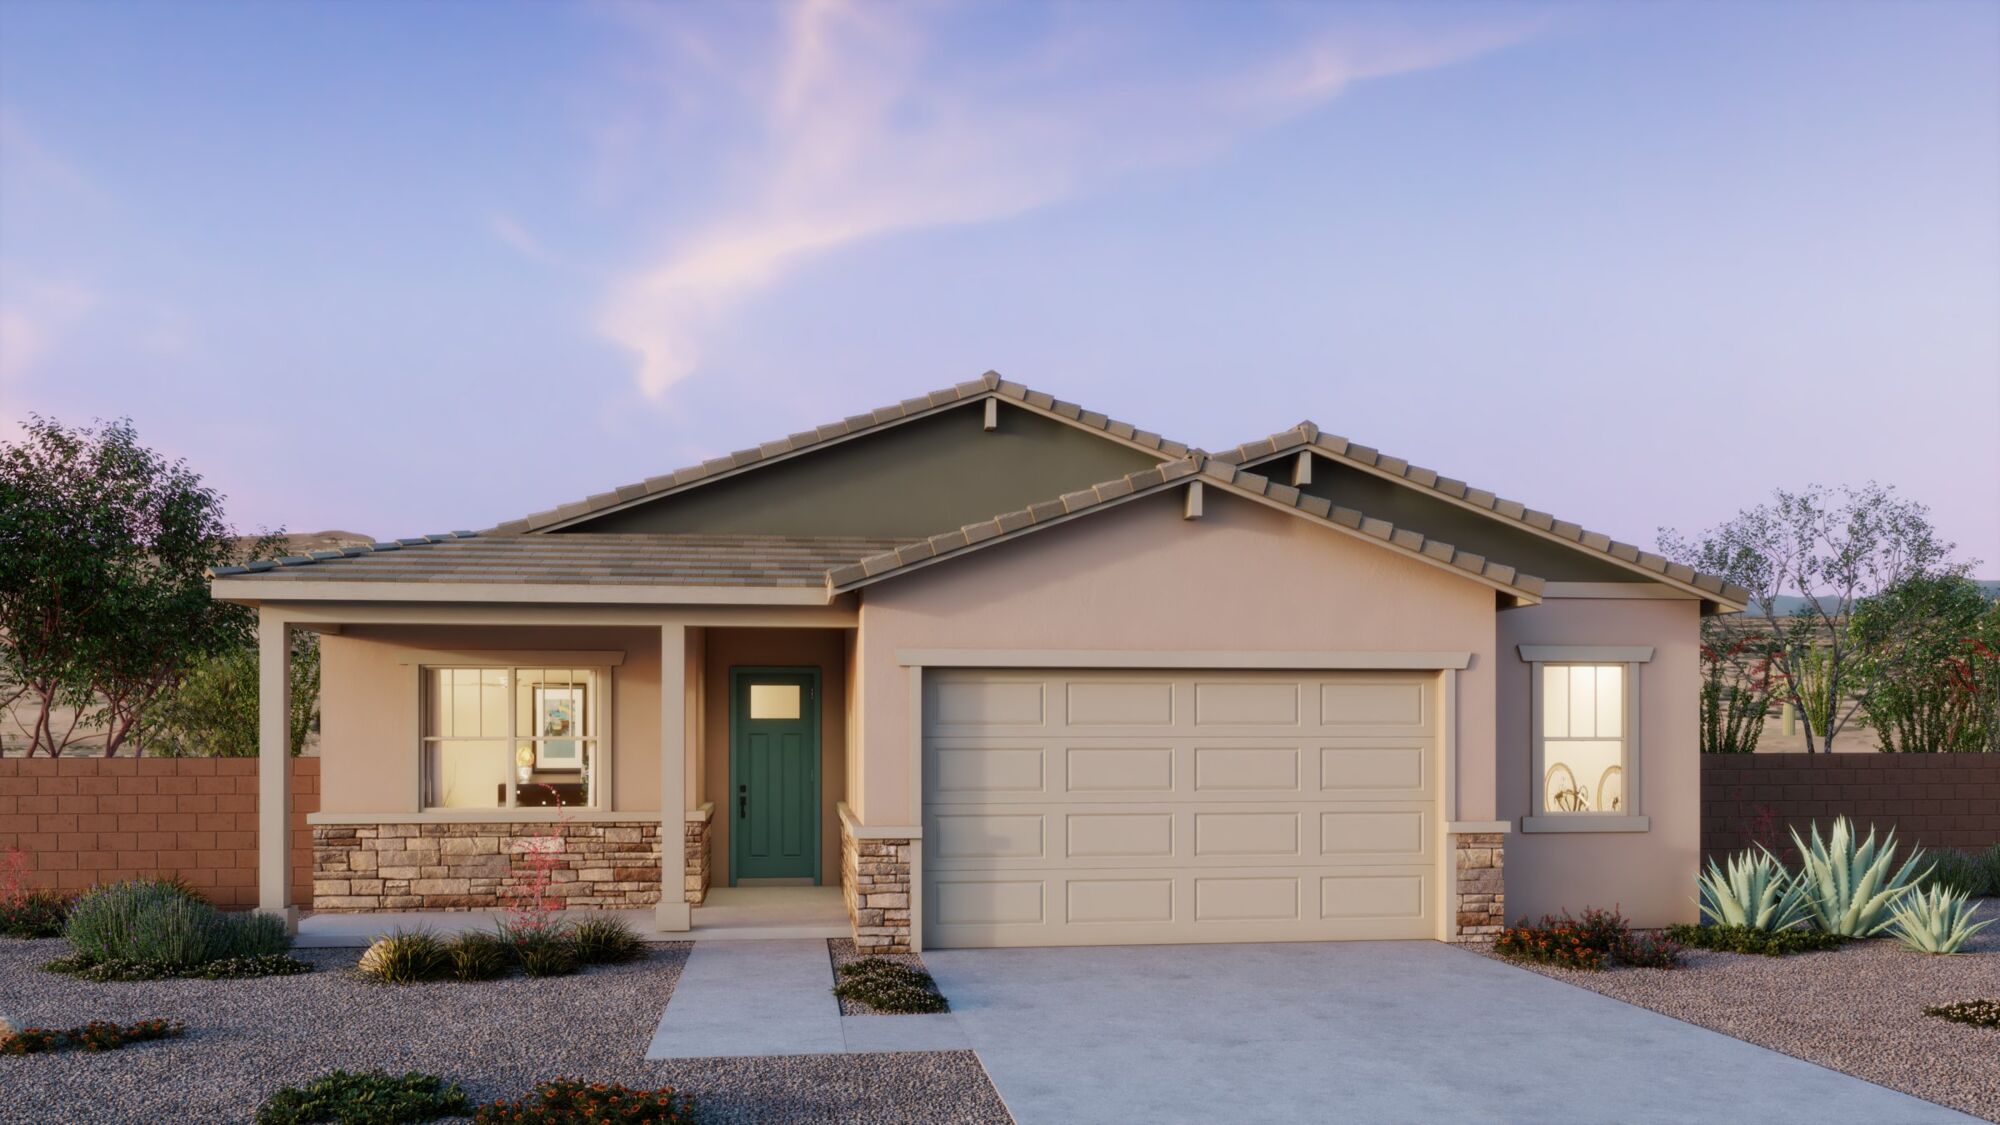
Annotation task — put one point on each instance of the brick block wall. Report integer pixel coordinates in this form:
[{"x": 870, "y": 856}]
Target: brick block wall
[
  {"x": 84, "y": 821},
  {"x": 1936, "y": 800}
]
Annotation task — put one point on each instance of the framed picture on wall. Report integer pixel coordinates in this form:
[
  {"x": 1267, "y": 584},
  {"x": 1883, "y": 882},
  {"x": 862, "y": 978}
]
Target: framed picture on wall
[{"x": 558, "y": 723}]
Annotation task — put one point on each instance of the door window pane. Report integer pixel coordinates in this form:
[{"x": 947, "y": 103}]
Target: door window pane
[{"x": 774, "y": 701}]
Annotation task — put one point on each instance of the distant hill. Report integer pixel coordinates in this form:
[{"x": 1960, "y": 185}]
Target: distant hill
[
  {"x": 306, "y": 542},
  {"x": 1789, "y": 605}
]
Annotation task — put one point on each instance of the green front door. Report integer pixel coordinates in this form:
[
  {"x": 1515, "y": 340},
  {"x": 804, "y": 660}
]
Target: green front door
[{"x": 774, "y": 774}]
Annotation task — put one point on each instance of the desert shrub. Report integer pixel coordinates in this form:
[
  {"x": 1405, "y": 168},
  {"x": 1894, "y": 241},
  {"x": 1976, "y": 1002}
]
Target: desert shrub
[
  {"x": 1597, "y": 940},
  {"x": 605, "y": 941},
  {"x": 1990, "y": 861},
  {"x": 156, "y": 923},
  {"x": 1978, "y": 1013},
  {"x": 406, "y": 957},
  {"x": 97, "y": 1035},
  {"x": 34, "y": 914},
  {"x": 1745, "y": 939},
  {"x": 369, "y": 1097},
  {"x": 566, "y": 1100},
  {"x": 889, "y": 986},
  {"x": 1755, "y": 891},
  {"x": 1851, "y": 883},
  {"x": 542, "y": 952},
  {"x": 1957, "y": 871},
  {"x": 1935, "y": 920},
  {"x": 478, "y": 956},
  {"x": 227, "y": 968}
]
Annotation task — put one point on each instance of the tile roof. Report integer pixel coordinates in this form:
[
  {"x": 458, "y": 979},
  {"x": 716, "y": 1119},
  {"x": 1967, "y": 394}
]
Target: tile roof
[
  {"x": 1339, "y": 449},
  {"x": 1197, "y": 467},
  {"x": 582, "y": 558},
  {"x": 989, "y": 385}
]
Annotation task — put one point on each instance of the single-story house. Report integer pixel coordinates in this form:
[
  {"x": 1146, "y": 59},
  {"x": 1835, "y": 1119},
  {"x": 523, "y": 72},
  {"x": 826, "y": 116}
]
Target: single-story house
[{"x": 1009, "y": 672}]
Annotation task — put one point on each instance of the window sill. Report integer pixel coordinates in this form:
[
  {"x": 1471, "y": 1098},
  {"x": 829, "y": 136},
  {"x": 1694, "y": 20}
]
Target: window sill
[
  {"x": 487, "y": 816},
  {"x": 1586, "y": 822}
]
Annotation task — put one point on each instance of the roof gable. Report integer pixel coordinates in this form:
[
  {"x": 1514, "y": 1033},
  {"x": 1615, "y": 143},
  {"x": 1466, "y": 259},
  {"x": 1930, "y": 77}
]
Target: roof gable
[
  {"x": 1525, "y": 535},
  {"x": 1197, "y": 470},
  {"x": 1025, "y": 418}
]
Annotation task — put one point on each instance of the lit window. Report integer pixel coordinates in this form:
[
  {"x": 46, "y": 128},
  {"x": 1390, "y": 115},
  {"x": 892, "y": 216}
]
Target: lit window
[
  {"x": 510, "y": 737},
  {"x": 1583, "y": 738}
]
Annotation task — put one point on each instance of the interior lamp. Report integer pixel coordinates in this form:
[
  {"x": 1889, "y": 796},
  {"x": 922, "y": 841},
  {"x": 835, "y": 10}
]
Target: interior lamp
[{"x": 524, "y": 761}]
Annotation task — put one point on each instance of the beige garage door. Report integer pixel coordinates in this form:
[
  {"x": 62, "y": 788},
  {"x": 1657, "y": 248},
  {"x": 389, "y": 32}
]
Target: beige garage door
[{"x": 1117, "y": 807}]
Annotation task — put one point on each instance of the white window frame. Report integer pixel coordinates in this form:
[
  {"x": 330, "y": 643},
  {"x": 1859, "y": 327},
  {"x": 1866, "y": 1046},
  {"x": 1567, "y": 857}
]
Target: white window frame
[
  {"x": 513, "y": 663},
  {"x": 1632, "y": 817}
]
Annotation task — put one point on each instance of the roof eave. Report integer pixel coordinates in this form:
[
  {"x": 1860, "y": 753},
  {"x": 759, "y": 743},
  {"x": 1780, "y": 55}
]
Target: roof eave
[{"x": 254, "y": 590}]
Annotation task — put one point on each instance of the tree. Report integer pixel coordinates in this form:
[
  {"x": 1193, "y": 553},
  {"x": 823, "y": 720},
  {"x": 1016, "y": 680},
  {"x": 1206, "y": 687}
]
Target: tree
[
  {"x": 1830, "y": 548},
  {"x": 212, "y": 712},
  {"x": 104, "y": 602},
  {"x": 1933, "y": 665}
]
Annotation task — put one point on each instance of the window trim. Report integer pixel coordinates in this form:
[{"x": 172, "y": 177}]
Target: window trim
[
  {"x": 512, "y": 662},
  {"x": 1629, "y": 657}
]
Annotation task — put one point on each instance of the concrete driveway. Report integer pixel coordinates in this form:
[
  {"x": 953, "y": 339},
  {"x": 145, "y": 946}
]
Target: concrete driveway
[{"x": 1360, "y": 1032}]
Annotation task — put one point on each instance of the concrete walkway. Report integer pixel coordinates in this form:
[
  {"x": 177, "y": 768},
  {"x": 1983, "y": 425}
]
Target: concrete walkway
[
  {"x": 1359, "y": 1031},
  {"x": 776, "y": 998}
]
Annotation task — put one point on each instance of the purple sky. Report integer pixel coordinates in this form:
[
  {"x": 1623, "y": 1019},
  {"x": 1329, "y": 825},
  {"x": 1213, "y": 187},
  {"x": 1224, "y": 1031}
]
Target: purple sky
[{"x": 404, "y": 268}]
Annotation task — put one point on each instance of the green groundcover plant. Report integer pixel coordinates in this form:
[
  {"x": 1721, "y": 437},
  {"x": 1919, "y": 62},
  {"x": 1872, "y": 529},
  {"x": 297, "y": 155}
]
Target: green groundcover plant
[
  {"x": 890, "y": 986},
  {"x": 564, "y": 1101},
  {"x": 225, "y": 968},
  {"x": 1748, "y": 939},
  {"x": 97, "y": 1035},
  {"x": 1978, "y": 1013},
  {"x": 34, "y": 914},
  {"x": 369, "y": 1097}
]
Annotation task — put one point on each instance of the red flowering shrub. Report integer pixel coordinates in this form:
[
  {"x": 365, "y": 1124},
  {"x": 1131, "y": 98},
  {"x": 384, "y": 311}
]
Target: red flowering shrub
[
  {"x": 1598, "y": 940},
  {"x": 97, "y": 1035}
]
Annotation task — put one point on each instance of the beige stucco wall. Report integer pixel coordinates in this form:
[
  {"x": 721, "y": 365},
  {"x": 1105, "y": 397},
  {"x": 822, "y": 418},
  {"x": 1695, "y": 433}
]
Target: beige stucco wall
[
  {"x": 824, "y": 649},
  {"x": 368, "y": 709},
  {"x": 1649, "y": 875},
  {"x": 1140, "y": 577}
]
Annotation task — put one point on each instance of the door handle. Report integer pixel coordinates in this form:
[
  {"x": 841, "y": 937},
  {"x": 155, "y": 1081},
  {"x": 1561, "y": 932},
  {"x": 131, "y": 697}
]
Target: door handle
[{"x": 742, "y": 801}]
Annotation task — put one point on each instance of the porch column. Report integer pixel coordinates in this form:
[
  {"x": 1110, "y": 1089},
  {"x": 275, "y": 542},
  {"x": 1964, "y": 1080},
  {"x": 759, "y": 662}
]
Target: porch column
[
  {"x": 274, "y": 760},
  {"x": 674, "y": 913}
]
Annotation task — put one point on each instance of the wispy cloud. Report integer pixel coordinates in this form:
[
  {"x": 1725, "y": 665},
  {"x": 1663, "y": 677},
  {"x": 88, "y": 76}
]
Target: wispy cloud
[{"x": 852, "y": 122}]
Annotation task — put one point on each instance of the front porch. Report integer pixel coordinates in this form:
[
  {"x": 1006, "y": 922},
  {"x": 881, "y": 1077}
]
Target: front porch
[
  {"x": 728, "y": 914},
  {"x": 450, "y": 795}
]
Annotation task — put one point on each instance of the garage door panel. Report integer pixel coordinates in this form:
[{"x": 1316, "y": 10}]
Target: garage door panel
[
  {"x": 978, "y": 770},
  {"x": 1226, "y": 769},
  {"x": 1246, "y": 703},
  {"x": 1096, "y": 771},
  {"x": 1396, "y": 769},
  {"x": 1122, "y": 835},
  {"x": 1391, "y": 704},
  {"x": 1120, "y": 703},
  {"x": 988, "y": 703},
  {"x": 1079, "y": 808},
  {"x": 1264, "y": 833},
  {"x": 1374, "y": 833},
  {"x": 967, "y": 835}
]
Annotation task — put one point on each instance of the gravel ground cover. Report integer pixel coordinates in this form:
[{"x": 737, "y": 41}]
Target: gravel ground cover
[
  {"x": 842, "y": 952},
  {"x": 1858, "y": 1010},
  {"x": 247, "y": 1038}
]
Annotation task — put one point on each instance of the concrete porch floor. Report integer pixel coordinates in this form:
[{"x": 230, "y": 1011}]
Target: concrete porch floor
[{"x": 729, "y": 914}]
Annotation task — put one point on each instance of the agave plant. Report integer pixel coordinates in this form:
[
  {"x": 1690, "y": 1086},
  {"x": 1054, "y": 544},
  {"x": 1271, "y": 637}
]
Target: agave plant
[
  {"x": 1756, "y": 891},
  {"x": 1935, "y": 920},
  {"x": 1850, "y": 885}
]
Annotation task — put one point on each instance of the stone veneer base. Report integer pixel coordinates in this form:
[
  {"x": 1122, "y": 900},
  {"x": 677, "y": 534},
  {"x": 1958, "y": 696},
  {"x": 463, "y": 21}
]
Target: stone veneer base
[
  {"x": 875, "y": 881},
  {"x": 696, "y": 884},
  {"x": 1479, "y": 899},
  {"x": 360, "y": 868}
]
